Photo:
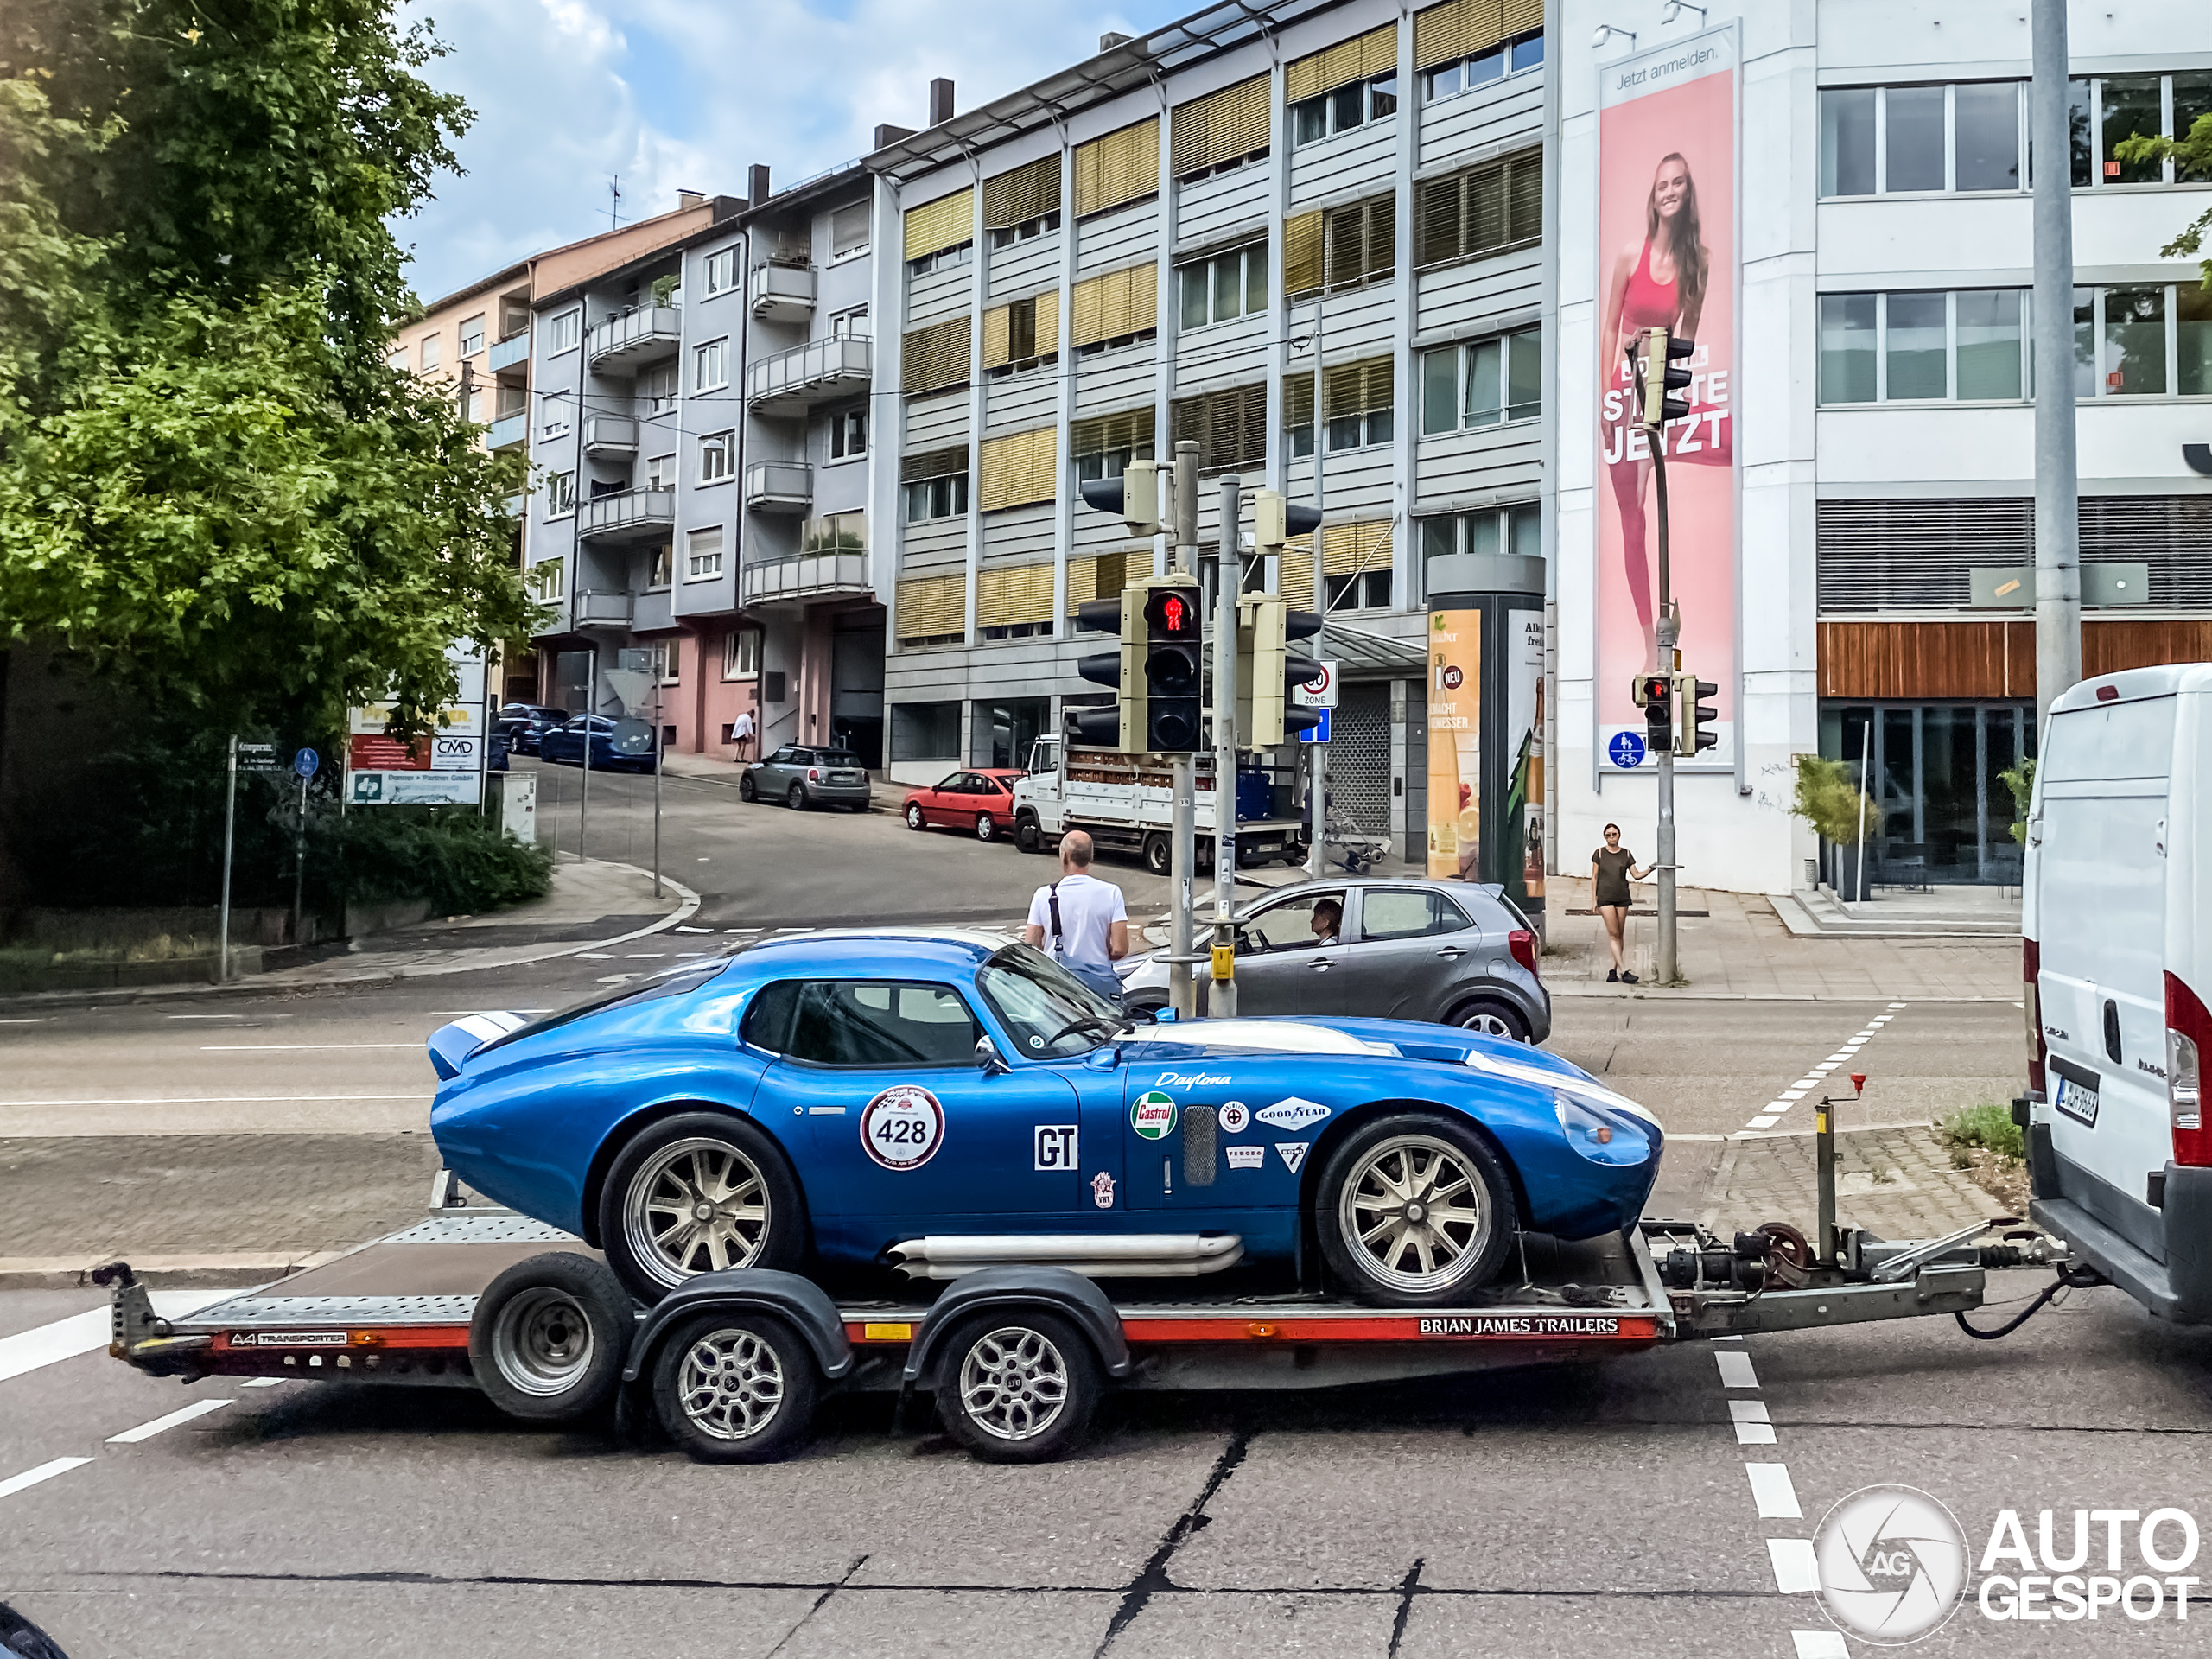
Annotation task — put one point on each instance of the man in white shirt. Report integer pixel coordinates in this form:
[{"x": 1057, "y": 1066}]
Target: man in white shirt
[
  {"x": 1080, "y": 921},
  {"x": 740, "y": 733}
]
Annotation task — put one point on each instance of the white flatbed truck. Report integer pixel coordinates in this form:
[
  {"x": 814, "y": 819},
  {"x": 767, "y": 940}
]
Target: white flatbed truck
[{"x": 1126, "y": 803}]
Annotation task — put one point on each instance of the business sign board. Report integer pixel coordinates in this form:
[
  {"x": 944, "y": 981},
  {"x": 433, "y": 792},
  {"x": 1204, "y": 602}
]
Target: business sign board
[
  {"x": 1667, "y": 258},
  {"x": 445, "y": 768}
]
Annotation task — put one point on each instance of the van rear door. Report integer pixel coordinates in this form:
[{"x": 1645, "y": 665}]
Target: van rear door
[{"x": 2100, "y": 916}]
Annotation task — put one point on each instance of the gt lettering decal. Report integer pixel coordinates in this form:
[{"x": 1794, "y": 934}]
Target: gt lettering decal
[
  {"x": 1292, "y": 1153},
  {"x": 1187, "y": 1079},
  {"x": 1236, "y": 1117},
  {"x": 1102, "y": 1190},
  {"x": 1055, "y": 1146},
  {"x": 1293, "y": 1115},
  {"x": 1247, "y": 1157},
  {"x": 902, "y": 1128},
  {"x": 1151, "y": 1115}
]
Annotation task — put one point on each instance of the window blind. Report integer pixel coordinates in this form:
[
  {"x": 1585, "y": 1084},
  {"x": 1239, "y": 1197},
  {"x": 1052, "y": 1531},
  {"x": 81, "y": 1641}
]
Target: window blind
[
  {"x": 946, "y": 223},
  {"x": 1301, "y": 253},
  {"x": 1460, "y": 28},
  {"x": 1228, "y": 427},
  {"x": 1346, "y": 549},
  {"x": 931, "y": 607},
  {"x": 1020, "y": 469},
  {"x": 1033, "y": 323},
  {"x": 1481, "y": 211},
  {"x": 1009, "y": 594},
  {"x": 1019, "y": 196},
  {"x": 1129, "y": 429},
  {"x": 1297, "y": 401},
  {"x": 1372, "y": 53},
  {"x": 1341, "y": 247},
  {"x": 935, "y": 358},
  {"x": 1354, "y": 388},
  {"x": 1122, "y": 166},
  {"x": 1101, "y": 577},
  {"x": 1219, "y": 127},
  {"x": 1119, "y": 302},
  {"x": 932, "y": 463}
]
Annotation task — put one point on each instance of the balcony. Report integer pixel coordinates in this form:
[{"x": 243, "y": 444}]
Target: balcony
[
  {"x": 600, "y": 610},
  {"x": 782, "y": 292},
  {"x": 626, "y": 516},
  {"x": 512, "y": 353},
  {"x": 779, "y": 487},
  {"x": 625, "y": 344},
  {"x": 610, "y": 437},
  {"x": 793, "y": 382},
  {"x": 807, "y": 576},
  {"x": 512, "y": 505},
  {"x": 507, "y": 431}
]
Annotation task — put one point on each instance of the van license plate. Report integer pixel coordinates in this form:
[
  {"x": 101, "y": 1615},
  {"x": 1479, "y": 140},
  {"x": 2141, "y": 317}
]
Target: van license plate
[{"x": 2077, "y": 1103}]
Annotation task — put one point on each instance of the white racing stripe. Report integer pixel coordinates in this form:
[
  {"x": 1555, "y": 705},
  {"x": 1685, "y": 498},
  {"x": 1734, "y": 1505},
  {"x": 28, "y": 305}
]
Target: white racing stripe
[
  {"x": 80, "y": 1334},
  {"x": 160, "y": 1425},
  {"x": 15, "y": 1483}
]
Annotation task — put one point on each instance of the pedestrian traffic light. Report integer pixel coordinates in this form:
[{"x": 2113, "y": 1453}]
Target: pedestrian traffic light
[
  {"x": 1274, "y": 521},
  {"x": 1662, "y": 353},
  {"x": 1120, "y": 727},
  {"x": 1694, "y": 718},
  {"x": 1267, "y": 673},
  {"x": 1135, "y": 495},
  {"x": 1656, "y": 693},
  {"x": 1172, "y": 639}
]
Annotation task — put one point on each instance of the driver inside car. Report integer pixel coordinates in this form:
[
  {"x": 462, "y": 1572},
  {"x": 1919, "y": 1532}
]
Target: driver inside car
[{"x": 1328, "y": 918}]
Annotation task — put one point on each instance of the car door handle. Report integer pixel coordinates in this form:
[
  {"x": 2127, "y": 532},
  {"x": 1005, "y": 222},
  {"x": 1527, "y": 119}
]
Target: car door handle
[
  {"x": 1319, "y": 965},
  {"x": 1450, "y": 951}
]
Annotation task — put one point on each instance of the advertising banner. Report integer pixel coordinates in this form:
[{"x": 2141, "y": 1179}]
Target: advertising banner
[
  {"x": 1667, "y": 257},
  {"x": 445, "y": 769},
  {"x": 1524, "y": 732},
  {"x": 1455, "y": 695}
]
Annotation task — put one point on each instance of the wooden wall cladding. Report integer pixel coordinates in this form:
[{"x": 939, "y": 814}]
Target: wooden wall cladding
[{"x": 1915, "y": 662}]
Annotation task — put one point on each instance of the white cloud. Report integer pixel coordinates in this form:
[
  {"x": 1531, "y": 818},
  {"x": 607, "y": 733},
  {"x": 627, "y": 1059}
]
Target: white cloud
[{"x": 674, "y": 94}]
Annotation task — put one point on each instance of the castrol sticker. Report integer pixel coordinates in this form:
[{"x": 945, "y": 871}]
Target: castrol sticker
[{"x": 903, "y": 1127}]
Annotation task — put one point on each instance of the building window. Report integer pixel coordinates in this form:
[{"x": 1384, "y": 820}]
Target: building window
[
  {"x": 943, "y": 260},
  {"x": 850, "y": 325},
  {"x": 1479, "y": 69},
  {"x": 1970, "y": 345},
  {"x": 703, "y": 553},
  {"x": 396, "y": 359},
  {"x": 2145, "y": 340},
  {"x": 926, "y": 731},
  {"x": 472, "y": 335},
  {"x": 1517, "y": 530},
  {"x": 1104, "y": 445},
  {"x": 931, "y": 610},
  {"x": 663, "y": 567},
  {"x": 1119, "y": 308},
  {"x": 741, "y": 653},
  {"x": 660, "y": 473},
  {"x": 1340, "y": 247},
  {"x": 1483, "y": 383},
  {"x": 1022, "y": 334},
  {"x": 837, "y": 532},
  {"x": 1023, "y": 203},
  {"x": 555, "y": 414},
  {"x": 710, "y": 365},
  {"x": 473, "y": 404},
  {"x": 1005, "y": 236},
  {"x": 667, "y": 659},
  {"x": 1228, "y": 285},
  {"x": 547, "y": 581},
  {"x": 1972, "y": 136},
  {"x": 848, "y": 231},
  {"x": 1229, "y": 428},
  {"x": 562, "y": 331},
  {"x": 430, "y": 351},
  {"x": 1483, "y": 211},
  {"x": 936, "y": 484},
  {"x": 1344, "y": 109},
  {"x": 1358, "y": 400},
  {"x": 848, "y": 435},
  {"x": 717, "y": 454},
  {"x": 936, "y": 359},
  {"x": 1364, "y": 590},
  {"x": 511, "y": 401},
  {"x": 560, "y": 495},
  {"x": 721, "y": 271},
  {"x": 656, "y": 388}
]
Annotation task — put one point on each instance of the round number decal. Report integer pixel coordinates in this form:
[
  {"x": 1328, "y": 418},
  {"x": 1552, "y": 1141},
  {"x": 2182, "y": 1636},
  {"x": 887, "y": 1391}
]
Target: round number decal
[{"x": 903, "y": 1127}]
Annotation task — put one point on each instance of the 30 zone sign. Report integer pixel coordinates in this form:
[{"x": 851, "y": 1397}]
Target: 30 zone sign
[{"x": 903, "y": 1127}]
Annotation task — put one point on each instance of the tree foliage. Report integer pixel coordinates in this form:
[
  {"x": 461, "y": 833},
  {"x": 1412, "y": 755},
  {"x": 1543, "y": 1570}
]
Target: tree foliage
[
  {"x": 211, "y": 484},
  {"x": 2191, "y": 154},
  {"x": 1828, "y": 797}
]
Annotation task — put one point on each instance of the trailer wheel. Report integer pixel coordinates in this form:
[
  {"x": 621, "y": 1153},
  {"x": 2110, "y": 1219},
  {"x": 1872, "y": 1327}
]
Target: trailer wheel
[
  {"x": 1414, "y": 1210},
  {"x": 1026, "y": 835},
  {"x": 735, "y": 1387},
  {"x": 1158, "y": 853},
  {"x": 546, "y": 1342},
  {"x": 696, "y": 1193},
  {"x": 1018, "y": 1386}
]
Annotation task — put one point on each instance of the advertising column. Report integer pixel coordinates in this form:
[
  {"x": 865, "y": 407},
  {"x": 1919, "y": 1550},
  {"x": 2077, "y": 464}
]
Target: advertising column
[
  {"x": 1486, "y": 721},
  {"x": 1455, "y": 702},
  {"x": 1667, "y": 258}
]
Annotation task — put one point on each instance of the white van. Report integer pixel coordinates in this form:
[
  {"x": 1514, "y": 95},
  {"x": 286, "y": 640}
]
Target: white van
[{"x": 2117, "y": 926}]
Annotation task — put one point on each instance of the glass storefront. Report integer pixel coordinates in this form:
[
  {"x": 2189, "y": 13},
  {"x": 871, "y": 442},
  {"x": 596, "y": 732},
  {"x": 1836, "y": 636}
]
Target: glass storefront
[
  {"x": 1938, "y": 768},
  {"x": 1004, "y": 730}
]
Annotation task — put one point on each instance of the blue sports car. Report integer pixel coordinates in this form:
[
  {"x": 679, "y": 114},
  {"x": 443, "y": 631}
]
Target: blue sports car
[{"x": 937, "y": 1102}]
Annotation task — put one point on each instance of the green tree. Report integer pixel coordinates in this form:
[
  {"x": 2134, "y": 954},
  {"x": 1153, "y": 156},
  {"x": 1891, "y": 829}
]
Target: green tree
[
  {"x": 2191, "y": 154},
  {"x": 211, "y": 485}
]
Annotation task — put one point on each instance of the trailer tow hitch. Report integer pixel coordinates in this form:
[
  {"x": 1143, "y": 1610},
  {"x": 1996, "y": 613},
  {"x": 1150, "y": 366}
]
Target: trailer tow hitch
[{"x": 2079, "y": 1277}]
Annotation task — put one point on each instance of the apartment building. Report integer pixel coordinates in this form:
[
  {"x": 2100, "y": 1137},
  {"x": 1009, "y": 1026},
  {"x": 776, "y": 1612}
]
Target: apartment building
[
  {"x": 1866, "y": 593},
  {"x": 1308, "y": 237}
]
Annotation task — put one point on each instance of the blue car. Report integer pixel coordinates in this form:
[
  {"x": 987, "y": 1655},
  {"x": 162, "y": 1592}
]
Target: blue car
[
  {"x": 936, "y": 1101},
  {"x": 564, "y": 745}
]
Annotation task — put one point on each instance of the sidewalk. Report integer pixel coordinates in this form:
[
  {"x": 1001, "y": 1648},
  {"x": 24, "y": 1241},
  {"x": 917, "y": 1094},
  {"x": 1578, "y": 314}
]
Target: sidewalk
[
  {"x": 1898, "y": 1183},
  {"x": 1740, "y": 948}
]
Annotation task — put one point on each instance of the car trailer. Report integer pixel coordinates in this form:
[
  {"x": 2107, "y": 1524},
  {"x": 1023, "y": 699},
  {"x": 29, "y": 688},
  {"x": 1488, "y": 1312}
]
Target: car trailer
[{"x": 1016, "y": 1357}]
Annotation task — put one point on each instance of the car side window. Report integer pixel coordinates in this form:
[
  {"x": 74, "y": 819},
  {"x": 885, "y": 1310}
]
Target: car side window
[
  {"x": 1290, "y": 925},
  {"x": 768, "y": 1022},
  {"x": 881, "y": 1022},
  {"x": 952, "y": 785},
  {"x": 1408, "y": 913}
]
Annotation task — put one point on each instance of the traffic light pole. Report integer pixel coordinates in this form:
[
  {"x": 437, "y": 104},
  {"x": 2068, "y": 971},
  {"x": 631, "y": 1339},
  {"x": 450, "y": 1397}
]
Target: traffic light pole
[
  {"x": 1667, "y": 631},
  {"x": 1230, "y": 570},
  {"x": 1181, "y": 994}
]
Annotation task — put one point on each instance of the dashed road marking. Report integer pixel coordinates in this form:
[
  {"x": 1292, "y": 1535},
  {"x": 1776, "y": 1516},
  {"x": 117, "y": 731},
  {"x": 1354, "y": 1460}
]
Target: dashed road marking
[
  {"x": 263, "y": 1382},
  {"x": 15, "y": 1483},
  {"x": 1816, "y": 1076},
  {"x": 1795, "y": 1573},
  {"x": 1820, "y": 1644},
  {"x": 1753, "y": 1426},
  {"x": 161, "y": 1425},
  {"x": 1736, "y": 1371},
  {"x": 1772, "y": 1491}
]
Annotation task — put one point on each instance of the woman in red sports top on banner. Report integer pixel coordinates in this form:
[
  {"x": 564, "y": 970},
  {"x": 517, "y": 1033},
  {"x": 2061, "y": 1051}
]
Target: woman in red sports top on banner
[{"x": 1660, "y": 284}]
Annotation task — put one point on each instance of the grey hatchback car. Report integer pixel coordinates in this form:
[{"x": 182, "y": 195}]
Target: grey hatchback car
[
  {"x": 1455, "y": 953},
  {"x": 801, "y": 776}
]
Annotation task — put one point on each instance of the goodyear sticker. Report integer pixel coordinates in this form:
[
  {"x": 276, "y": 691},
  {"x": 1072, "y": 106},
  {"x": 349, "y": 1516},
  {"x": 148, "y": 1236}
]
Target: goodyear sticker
[
  {"x": 1153, "y": 1114},
  {"x": 1293, "y": 1115}
]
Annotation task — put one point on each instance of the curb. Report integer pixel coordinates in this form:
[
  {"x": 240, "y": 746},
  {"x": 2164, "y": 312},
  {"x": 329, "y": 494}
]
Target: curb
[
  {"x": 172, "y": 1272},
  {"x": 1600, "y": 992}
]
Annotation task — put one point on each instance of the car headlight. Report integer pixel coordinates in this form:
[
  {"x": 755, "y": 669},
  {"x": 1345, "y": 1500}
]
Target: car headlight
[{"x": 1600, "y": 1136}]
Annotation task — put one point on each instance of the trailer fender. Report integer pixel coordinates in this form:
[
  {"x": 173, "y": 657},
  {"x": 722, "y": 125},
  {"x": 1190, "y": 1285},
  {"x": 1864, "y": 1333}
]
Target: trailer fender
[
  {"x": 800, "y": 1302},
  {"x": 1058, "y": 1289}
]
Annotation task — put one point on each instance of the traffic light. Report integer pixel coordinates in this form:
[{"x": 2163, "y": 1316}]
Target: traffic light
[
  {"x": 1135, "y": 495},
  {"x": 1694, "y": 718},
  {"x": 1656, "y": 693},
  {"x": 1120, "y": 727},
  {"x": 1267, "y": 673},
  {"x": 1170, "y": 709},
  {"x": 1274, "y": 521},
  {"x": 1662, "y": 353}
]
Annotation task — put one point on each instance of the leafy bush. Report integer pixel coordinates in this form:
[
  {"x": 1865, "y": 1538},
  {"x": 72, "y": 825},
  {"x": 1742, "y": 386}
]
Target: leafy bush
[
  {"x": 1989, "y": 1125},
  {"x": 2021, "y": 780},
  {"x": 1828, "y": 798},
  {"x": 455, "y": 857}
]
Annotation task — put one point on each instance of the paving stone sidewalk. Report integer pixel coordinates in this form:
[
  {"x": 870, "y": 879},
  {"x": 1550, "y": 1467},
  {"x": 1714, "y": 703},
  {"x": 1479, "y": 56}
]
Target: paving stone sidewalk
[{"x": 1896, "y": 1182}]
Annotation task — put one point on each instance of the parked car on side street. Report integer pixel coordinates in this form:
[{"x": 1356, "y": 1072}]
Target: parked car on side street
[
  {"x": 563, "y": 745},
  {"x": 801, "y": 776},
  {"x": 981, "y": 800},
  {"x": 1455, "y": 953},
  {"x": 496, "y": 760},
  {"x": 524, "y": 723}
]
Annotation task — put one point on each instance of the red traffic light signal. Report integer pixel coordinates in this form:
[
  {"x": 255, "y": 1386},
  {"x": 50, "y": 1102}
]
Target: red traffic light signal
[{"x": 1171, "y": 613}]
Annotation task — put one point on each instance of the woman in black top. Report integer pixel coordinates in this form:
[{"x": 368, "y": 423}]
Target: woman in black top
[{"x": 1612, "y": 867}]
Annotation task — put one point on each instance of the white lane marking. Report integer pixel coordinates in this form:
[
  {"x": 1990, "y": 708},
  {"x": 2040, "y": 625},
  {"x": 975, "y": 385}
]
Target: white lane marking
[
  {"x": 1752, "y": 1425},
  {"x": 1793, "y": 1093},
  {"x": 15, "y": 1483},
  {"x": 146, "y": 1431},
  {"x": 1764, "y": 1120},
  {"x": 205, "y": 1100},
  {"x": 207, "y": 1016},
  {"x": 263, "y": 1382},
  {"x": 687, "y": 928},
  {"x": 643, "y": 956},
  {"x": 1736, "y": 1371},
  {"x": 799, "y": 929},
  {"x": 741, "y": 930},
  {"x": 1728, "y": 1338},
  {"x": 1795, "y": 1573},
  {"x": 80, "y": 1334},
  {"x": 594, "y": 956},
  {"x": 1820, "y": 1644},
  {"x": 1772, "y": 1491},
  {"x": 457, "y": 1014},
  {"x": 249, "y": 1048},
  {"x": 1897, "y": 1005},
  {"x": 42, "y": 1020}
]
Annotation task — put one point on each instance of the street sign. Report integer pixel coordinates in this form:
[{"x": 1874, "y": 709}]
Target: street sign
[
  {"x": 1626, "y": 750},
  {"x": 1318, "y": 733},
  {"x": 1321, "y": 691},
  {"x": 259, "y": 757},
  {"x": 631, "y": 736},
  {"x": 305, "y": 763}
]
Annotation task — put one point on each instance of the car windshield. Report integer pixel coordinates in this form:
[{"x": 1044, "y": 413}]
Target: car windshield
[
  {"x": 1048, "y": 1012},
  {"x": 838, "y": 757}
]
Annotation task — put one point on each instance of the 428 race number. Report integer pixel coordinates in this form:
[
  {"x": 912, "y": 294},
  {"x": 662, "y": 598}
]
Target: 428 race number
[{"x": 902, "y": 1128}]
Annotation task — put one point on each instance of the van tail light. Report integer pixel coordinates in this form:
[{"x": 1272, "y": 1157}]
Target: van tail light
[
  {"x": 814, "y": 774},
  {"x": 1522, "y": 944},
  {"x": 2031, "y": 1000},
  {"x": 2189, "y": 1035}
]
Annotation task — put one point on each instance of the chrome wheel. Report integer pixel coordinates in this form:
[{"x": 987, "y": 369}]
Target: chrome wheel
[
  {"x": 1414, "y": 1209},
  {"x": 730, "y": 1384},
  {"x": 1013, "y": 1383},
  {"x": 696, "y": 1206},
  {"x": 542, "y": 1342}
]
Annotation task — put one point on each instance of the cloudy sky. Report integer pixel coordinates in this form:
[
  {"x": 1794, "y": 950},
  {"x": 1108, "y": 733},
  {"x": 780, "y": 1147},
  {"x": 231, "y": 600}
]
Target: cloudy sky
[{"x": 685, "y": 94}]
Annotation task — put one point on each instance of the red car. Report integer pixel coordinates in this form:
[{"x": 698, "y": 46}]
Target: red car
[{"x": 981, "y": 801}]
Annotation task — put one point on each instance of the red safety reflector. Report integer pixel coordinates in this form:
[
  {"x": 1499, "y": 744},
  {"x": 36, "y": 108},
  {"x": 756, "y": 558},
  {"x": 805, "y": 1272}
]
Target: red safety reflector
[
  {"x": 2107, "y": 694},
  {"x": 2031, "y": 972}
]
